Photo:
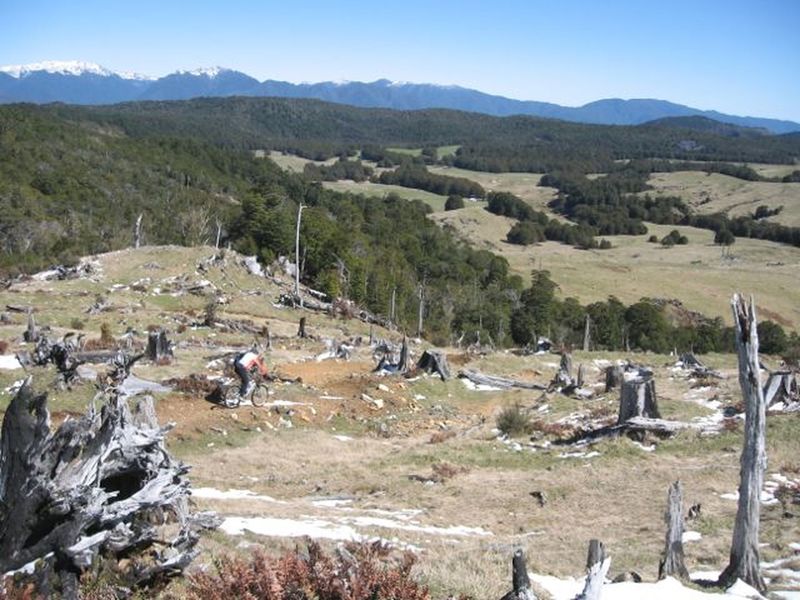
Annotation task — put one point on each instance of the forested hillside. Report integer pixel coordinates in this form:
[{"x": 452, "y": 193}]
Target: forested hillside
[{"x": 73, "y": 180}]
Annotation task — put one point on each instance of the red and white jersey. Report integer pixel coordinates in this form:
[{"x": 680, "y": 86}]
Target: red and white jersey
[{"x": 249, "y": 360}]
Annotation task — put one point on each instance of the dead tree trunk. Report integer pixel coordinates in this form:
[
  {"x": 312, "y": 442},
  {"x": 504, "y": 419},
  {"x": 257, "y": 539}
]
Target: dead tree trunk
[
  {"x": 579, "y": 380},
  {"x": 403, "y": 363},
  {"x": 297, "y": 257},
  {"x": 30, "y": 333},
  {"x": 744, "y": 556},
  {"x": 159, "y": 348},
  {"x": 219, "y": 235},
  {"x": 597, "y": 565},
  {"x": 587, "y": 334},
  {"x": 137, "y": 232},
  {"x": 301, "y": 329},
  {"x": 671, "y": 564},
  {"x": 638, "y": 399},
  {"x": 96, "y": 486},
  {"x": 781, "y": 387},
  {"x": 421, "y": 310},
  {"x": 613, "y": 377},
  {"x": 434, "y": 361},
  {"x": 393, "y": 307},
  {"x": 521, "y": 583}
]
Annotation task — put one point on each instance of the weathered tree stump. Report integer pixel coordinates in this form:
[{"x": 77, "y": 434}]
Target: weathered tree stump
[
  {"x": 159, "y": 348},
  {"x": 638, "y": 399},
  {"x": 671, "y": 564},
  {"x": 579, "y": 380},
  {"x": 100, "y": 485},
  {"x": 613, "y": 377},
  {"x": 744, "y": 556},
  {"x": 30, "y": 334},
  {"x": 434, "y": 361},
  {"x": 403, "y": 364},
  {"x": 301, "y": 329},
  {"x": 597, "y": 565},
  {"x": 521, "y": 583},
  {"x": 781, "y": 387}
]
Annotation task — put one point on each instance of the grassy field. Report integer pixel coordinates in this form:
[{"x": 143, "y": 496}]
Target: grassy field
[
  {"x": 371, "y": 461},
  {"x": 695, "y": 274},
  {"x": 524, "y": 185},
  {"x": 435, "y": 201},
  {"x": 296, "y": 164},
  {"x": 709, "y": 193}
]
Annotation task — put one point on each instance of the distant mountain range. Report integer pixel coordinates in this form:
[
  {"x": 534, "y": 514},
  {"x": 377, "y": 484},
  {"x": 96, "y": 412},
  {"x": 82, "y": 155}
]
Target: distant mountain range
[{"x": 76, "y": 82}]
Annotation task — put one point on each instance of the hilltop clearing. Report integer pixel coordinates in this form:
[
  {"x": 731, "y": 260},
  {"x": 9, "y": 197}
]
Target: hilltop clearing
[{"x": 340, "y": 452}]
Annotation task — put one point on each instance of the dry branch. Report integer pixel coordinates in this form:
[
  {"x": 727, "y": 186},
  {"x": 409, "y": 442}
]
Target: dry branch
[{"x": 497, "y": 381}]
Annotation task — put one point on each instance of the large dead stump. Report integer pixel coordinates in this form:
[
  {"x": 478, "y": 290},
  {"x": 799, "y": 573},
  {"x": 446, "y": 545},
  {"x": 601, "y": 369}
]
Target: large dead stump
[
  {"x": 301, "y": 328},
  {"x": 613, "y": 377},
  {"x": 159, "y": 348},
  {"x": 101, "y": 485},
  {"x": 521, "y": 584},
  {"x": 30, "y": 334},
  {"x": 434, "y": 361},
  {"x": 597, "y": 565},
  {"x": 638, "y": 399},
  {"x": 671, "y": 564},
  {"x": 744, "y": 557},
  {"x": 781, "y": 387}
]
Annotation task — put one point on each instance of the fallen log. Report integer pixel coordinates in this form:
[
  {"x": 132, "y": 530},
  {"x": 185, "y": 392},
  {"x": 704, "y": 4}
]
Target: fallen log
[
  {"x": 497, "y": 381},
  {"x": 781, "y": 387}
]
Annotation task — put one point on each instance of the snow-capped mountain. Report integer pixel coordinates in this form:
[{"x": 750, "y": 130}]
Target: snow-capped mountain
[{"x": 80, "y": 82}]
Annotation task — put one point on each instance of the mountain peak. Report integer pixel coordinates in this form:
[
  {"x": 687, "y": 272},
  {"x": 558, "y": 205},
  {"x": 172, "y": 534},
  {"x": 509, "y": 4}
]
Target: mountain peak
[
  {"x": 209, "y": 72},
  {"x": 60, "y": 67}
]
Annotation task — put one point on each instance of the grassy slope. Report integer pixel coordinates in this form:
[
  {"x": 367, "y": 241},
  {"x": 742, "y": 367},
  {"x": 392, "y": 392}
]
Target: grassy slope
[
  {"x": 722, "y": 193},
  {"x": 634, "y": 268}
]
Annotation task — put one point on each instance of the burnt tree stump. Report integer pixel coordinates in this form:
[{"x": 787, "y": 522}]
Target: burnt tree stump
[
  {"x": 613, "y": 377},
  {"x": 597, "y": 565},
  {"x": 30, "y": 334},
  {"x": 159, "y": 348},
  {"x": 671, "y": 564},
  {"x": 301, "y": 328},
  {"x": 638, "y": 399},
  {"x": 744, "y": 556},
  {"x": 521, "y": 584}
]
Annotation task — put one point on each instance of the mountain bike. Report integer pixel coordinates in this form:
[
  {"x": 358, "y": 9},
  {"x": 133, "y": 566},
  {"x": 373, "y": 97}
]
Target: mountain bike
[{"x": 257, "y": 396}]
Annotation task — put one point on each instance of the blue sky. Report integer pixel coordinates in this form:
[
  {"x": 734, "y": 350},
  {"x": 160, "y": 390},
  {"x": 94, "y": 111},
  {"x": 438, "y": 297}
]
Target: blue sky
[{"x": 736, "y": 56}]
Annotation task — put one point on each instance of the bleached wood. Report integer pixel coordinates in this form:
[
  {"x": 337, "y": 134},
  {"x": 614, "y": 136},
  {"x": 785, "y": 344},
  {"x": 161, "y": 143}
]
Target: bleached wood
[
  {"x": 672, "y": 564},
  {"x": 744, "y": 555}
]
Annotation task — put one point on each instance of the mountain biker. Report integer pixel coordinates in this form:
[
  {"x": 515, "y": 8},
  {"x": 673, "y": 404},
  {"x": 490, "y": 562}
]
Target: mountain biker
[{"x": 246, "y": 363}]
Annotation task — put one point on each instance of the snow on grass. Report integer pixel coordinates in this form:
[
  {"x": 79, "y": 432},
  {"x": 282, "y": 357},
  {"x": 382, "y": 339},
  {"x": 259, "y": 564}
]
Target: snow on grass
[
  {"x": 691, "y": 536},
  {"x": 479, "y": 387},
  {"x": 9, "y": 362},
  {"x": 231, "y": 494},
  {"x": 666, "y": 589},
  {"x": 288, "y": 528}
]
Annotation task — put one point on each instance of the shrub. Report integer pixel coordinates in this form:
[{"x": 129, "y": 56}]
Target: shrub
[
  {"x": 454, "y": 202},
  {"x": 653, "y": 239},
  {"x": 513, "y": 421},
  {"x": 77, "y": 323},
  {"x": 362, "y": 573}
]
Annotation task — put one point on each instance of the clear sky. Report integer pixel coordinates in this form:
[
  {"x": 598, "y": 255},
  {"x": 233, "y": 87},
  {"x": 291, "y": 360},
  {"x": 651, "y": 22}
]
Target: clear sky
[{"x": 736, "y": 56}]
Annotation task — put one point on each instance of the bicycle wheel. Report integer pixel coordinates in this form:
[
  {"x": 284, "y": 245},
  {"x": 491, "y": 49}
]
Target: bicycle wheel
[
  {"x": 232, "y": 399},
  {"x": 260, "y": 394}
]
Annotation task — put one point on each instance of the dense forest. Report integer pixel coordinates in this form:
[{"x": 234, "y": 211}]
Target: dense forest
[{"x": 73, "y": 180}]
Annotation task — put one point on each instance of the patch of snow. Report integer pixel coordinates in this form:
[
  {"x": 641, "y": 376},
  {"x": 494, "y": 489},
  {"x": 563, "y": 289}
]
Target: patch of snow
[
  {"x": 343, "y": 438},
  {"x": 209, "y": 72},
  {"x": 456, "y": 530},
  {"x": 61, "y": 67},
  {"x": 666, "y": 589},
  {"x": 331, "y": 397},
  {"x": 479, "y": 387},
  {"x": 691, "y": 536},
  {"x": 231, "y": 494},
  {"x": 651, "y": 448},
  {"x": 277, "y": 403},
  {"x": 9, "y": 362},
  {"x": 14, "y": 387},
  {"x": 579, "y": 454},
  {"x": 29, "y": 568},
  {"x": 289, "y": 528},
  {"x": 134, "y": 385},
  {"x": 331, "y": 502},
  {"x": 795, "y": 546}
]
